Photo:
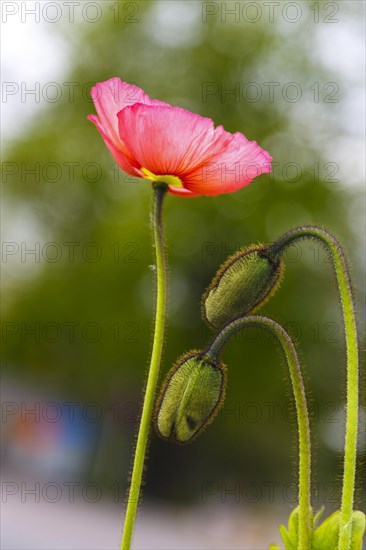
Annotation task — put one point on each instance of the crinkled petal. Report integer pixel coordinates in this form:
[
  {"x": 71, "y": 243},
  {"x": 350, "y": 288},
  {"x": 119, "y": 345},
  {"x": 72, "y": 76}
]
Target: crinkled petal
[
  {"x": 112, "y": 96},
  {"x": 123, "y": 160},
  {"x": 234, "y": 167},
  {"x": 168, "y": 140}
]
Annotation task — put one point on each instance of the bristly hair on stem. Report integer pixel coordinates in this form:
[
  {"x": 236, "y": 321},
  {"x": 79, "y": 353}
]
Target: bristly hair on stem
[
  {"x": 271, "y": 326},
  {"x": 345, "y": 292},
  {"x": 159, "y": 191}
]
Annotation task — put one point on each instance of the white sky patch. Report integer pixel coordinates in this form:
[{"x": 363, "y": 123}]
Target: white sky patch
[
  {"x": 350, "y": 153},
  {"x": 176, "y": 24},
  {"x": 341, "y": 48},
  {"x": 33, "y": 55}
]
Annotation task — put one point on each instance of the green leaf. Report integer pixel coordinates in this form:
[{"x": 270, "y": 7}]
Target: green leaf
[
  {"x": 327, "y": 534},
  {"x": 358, "y": 529},
  {"x": 290, "y": 536}
]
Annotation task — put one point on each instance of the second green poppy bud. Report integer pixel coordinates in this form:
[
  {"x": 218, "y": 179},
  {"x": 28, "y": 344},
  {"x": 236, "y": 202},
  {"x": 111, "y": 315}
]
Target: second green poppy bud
[
  {"x": 244, "y": 282},
  {"x": 190, "y": 397}
]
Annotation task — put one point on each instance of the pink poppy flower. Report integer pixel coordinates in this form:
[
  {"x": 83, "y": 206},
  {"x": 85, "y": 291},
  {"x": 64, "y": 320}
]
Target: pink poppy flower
[{"x": 153, "y": 140}]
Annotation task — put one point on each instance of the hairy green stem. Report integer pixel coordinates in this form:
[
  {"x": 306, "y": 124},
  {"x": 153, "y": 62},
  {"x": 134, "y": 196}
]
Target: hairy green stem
[
  {"x": 344, "y": 286},
  {"x": 160, "y": 313},
  {"x": 305, "y": 510}
]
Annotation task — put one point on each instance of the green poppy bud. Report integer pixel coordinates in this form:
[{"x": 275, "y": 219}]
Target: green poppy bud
[
  {"x": 243, "y": 283},
  {"x": 190, "y": 397}
]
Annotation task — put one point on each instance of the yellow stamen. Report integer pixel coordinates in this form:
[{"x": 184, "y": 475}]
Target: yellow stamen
[{"x": 170, "y": 180}]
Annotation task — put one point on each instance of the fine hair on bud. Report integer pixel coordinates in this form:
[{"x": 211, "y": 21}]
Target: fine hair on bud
[
  {"x": 190, "y": 397},
  {"x": 243, "y": 283}
]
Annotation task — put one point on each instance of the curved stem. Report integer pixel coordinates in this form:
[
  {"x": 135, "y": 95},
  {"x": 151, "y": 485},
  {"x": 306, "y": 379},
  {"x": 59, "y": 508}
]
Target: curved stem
[
  {"x": 344, "y": 286},
  {"x": 305, "y": 510},
  {"x": 160, "y": 313}
]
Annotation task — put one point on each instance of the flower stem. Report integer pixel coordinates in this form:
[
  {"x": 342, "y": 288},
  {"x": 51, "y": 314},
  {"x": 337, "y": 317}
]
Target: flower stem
[
  {"x": 160, "y": 313},
  {"x": 344, "y": 286},
  {"x": 305, "y": 510}
]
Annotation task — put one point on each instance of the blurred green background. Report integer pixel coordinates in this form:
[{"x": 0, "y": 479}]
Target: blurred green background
[{"x": 96, "y": 301}]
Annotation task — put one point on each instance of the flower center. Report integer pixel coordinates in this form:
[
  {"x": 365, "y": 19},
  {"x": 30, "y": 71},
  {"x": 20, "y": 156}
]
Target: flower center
[{"x": 170, "y": 180}]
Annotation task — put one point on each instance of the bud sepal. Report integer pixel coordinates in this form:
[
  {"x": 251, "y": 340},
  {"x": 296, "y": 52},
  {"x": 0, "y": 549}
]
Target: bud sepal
[
  {"x": 190, "y": 397},
  {"x": 243, "y": 283}
]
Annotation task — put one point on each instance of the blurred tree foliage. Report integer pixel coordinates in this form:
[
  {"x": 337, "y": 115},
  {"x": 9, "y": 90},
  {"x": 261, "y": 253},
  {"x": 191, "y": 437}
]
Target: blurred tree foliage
[{"x": 175, "y": 56}]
